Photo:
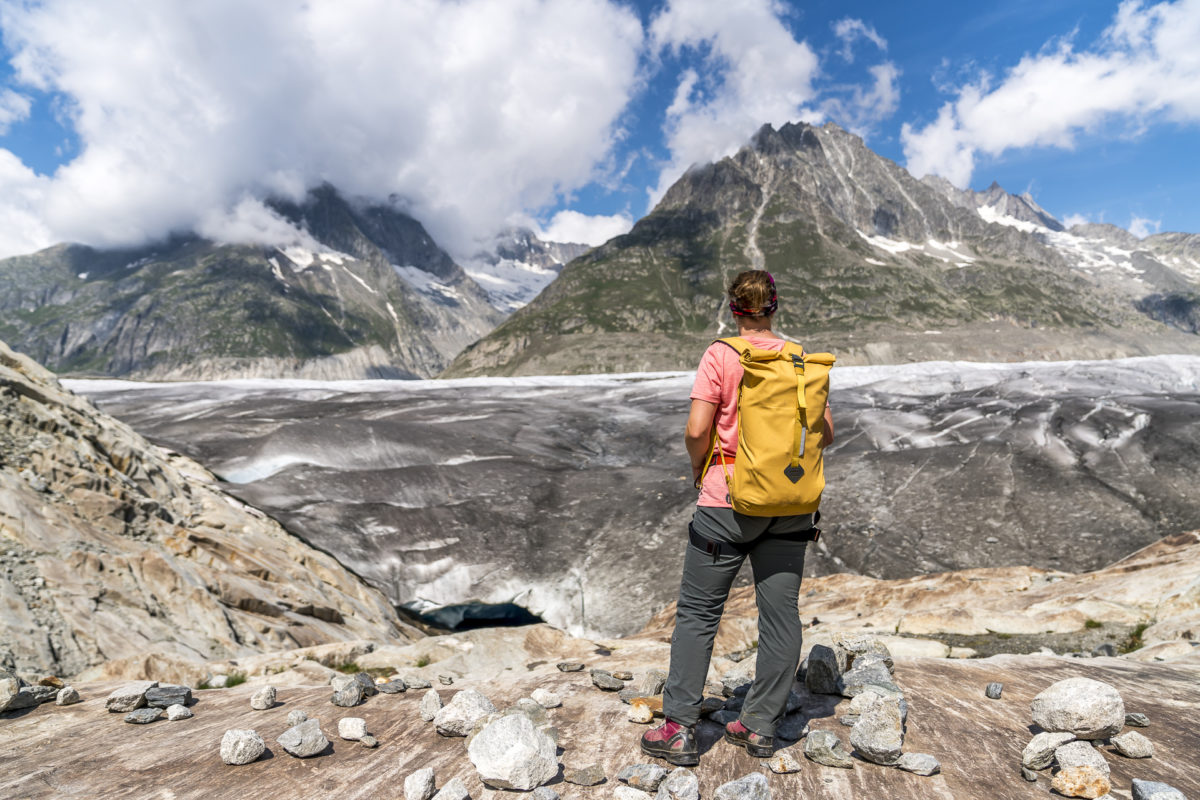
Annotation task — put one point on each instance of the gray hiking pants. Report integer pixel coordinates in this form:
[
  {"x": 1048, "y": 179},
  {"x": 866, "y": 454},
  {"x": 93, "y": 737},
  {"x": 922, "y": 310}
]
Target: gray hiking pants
[{"x": 778, "y": 564}]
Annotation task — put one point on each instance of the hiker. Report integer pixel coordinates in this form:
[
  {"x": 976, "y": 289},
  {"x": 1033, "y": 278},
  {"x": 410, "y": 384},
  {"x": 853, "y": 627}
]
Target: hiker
[{"x": 720, "y": 539}]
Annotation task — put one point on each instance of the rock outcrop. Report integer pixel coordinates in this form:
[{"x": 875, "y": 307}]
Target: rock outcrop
[{"x": 113, "y": 550}]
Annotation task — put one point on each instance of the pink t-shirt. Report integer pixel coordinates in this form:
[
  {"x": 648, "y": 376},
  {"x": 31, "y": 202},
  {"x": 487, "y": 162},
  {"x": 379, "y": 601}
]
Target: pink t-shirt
[{"x": 717, "y": 380}]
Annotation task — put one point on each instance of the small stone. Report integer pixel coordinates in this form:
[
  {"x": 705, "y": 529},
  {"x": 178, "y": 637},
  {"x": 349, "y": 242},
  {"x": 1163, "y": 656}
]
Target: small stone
[
  {"x": 240, "y": 746},
  {"x": 750, "y": 787},
  {"x": 348, "y": 697},
  {"x": 1154, "y": 790},
  {"x": 646, "y": 777},
  {"x": 919, "y": 764},
  {"x": 879, "y": 733},
  {"x": 681, "y": 784},
  {"x": 431, "y": 704},
  {"x": 367, "y": 683},
  {"x": 67, "y": 696},
  {"x": 369, "y": 741},
  {"x": 1107, "y": 649},
  {"x": 352, "y": 728},
  {"x": 544, "y": 793},
  {"x": 793, "y": 728},
  {"x": 178, "y": 712},
  {"x": 1137, "y": 720},
  {"x": 849, "y": 720},
  {"x": 144, "y": 716},
  {"x": 416, "y": 682},
  {"x": 736, "y": 685},
  {"x": 782, "y": 763},
  {"x": 735, "y": 703},
  {"x": 570, "y": 666},
  {"x": 459, "y": 716},
  {"x": 1080, "y": 754},
  {"x": 304, "y": 740},
  {"x": 640, "y": 712},
  {"x": 419, "y": 785},
  {"x": 590, "y": 775},
  {"x": 623, "y": 675},
  {"x": 604, "y": 681},
  {"x": 824, "y": 747},
  {"x": 163, "y": 696},
  {"x": 993, "y": 690},
  {"x": 1088, "y": 708},
  {"x": 446, "y": 680},
  {"x": 859, "y": 648},
  {"x": 394, "y": 686},
  {"x": 128, "y": 697},
  {"x": 652, "y": 682},
  {"x": 824, "y": 672},
  {"x": 1028, "y": 774},
  {"x": 1086, "y": 782},
  {"x": 1039, "y": 753},
  {"x": 623, "y": 792},
  {"x": 794, "y": 702},
  {"x": 53, "y": 681},
  {"x": 1132, "y": 744},
  {"x": 510, "y": 753},
  {"x": 294, "y": 718},
  {"x": 546, "y": 698},
  {"x": 454, "y": 789},
  {"x": 854, "y": 681},
  {"x": 263, "y": 699}
]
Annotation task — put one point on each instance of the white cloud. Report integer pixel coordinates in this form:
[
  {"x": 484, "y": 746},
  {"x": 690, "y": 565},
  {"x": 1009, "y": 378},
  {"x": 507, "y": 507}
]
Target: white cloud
[
  {"x": 14, "y": 107},
  {"x": 1142, "y": 227},
  {"x": 863, "y": 108},
  {"x": 754, "y": 72},
  {"x": 252, "y": 221},
  {"x": 1071, "y": 220},
  {"x": 1145, "y": 67},
  {"x": 849, "y": 30},
  {"x": 470, "y": 109},
  {"x": 572, "y": 226}
]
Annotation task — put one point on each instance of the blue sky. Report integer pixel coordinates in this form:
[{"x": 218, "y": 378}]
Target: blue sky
[{"x": 123, "y": 120}]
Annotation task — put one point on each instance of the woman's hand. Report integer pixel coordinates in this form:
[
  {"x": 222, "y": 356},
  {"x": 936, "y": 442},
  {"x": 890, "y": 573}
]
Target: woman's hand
[{"x": 827, "y": 433}]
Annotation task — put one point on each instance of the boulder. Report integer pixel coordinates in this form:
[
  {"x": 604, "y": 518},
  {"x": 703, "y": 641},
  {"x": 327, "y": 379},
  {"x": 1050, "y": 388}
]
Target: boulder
[
  {"x": 510, "y": 753},
  {"x": 919, "y": 764},
  {"x": 1153, "y": 790},
  {"x": 128, "y": 697},
  {"x": 1088, "y": 708},
  {"x": 1132, "y": 744},
  {"x": 239, "y": 746},
  {"x": 824, "y": 672},
  {"x": 879, "y": 735},
  {"x": 164, "y": 696},
  {"x": 459, "y": 716},
  {"x": 750, "y": 787},
  {"x": 825, "y": 748},
  {"x": 304, "y": 740},
  {"x": 1039, "y": 753},
  {"x": 1086, "y": 782},
  {"x": 419, "y": 785},
  {"x": 352, "y": 728},
  {"x": 263, "y": 699},
  {"x": 646, "y": 777}
]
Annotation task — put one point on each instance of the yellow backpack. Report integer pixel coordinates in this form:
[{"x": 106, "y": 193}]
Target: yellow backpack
[{"x": 778, "y": 468}]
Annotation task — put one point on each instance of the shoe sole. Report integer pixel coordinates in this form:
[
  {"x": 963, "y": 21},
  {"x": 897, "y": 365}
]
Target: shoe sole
[
  {"x": 671, "y": 757},
  {"x": 756, "y": 750}
]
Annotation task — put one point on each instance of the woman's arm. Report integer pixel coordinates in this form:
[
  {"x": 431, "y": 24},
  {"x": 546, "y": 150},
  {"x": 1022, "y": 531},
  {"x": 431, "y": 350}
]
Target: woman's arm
[
  {"x": 698, "y": 436},
  {"x": 827, "y": 435}
]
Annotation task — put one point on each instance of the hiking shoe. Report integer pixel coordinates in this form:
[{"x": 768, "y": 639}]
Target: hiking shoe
[
  {"x": 756, "y": 744},
  {"x": 673, "y": 743}
]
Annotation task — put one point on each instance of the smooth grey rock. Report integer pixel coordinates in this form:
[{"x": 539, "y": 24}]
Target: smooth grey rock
[
  {"x": 368, "y": 741},
  {"x": 1028, "y": 774},
  {"x": 178, "y": 712},
  {"x": 1132, "y": 744},
  {"x": 367, "y": 683},
  {"x": 1137, "y": 720},
  {"x": 510, "y": 753},
  {"x": 879, "y": 735},
  {"x": 1080, "y": 754},
  {"x": 304, "y": 740},
  {"x": 824, "y": 747},
  {"x": 1155, "y": 790},
  {"x": 1039, "y": 753},
  {"x": 352, "y": 728},
  {"x": 240, "y": 746},
  {"x": 144, "y": 716},
  {"x": 652, "y": 682},
  {"x": 446, "y": 680},
  {"x": 67, "y": 696},
  {"x": 1088, "y": 708},
  {"x": 824, "y": 671},
  {"x": 263, "y": 699},
  {"x": 993, "y": 690},
  {"x": 126, "y": 698},
  {"x": 394, "y": 686},
  {"x": 431, "y": 704},
  {"x": 873, "y": 673},
  {"x": 870, "y": 696},
  {"x": 681, "y": 784},
  {"x": 419, "y": 785},
  {"x": 646, "y": 777},
  {"x": 570, "y": 666},
  {"x": 919, "y": 764},
  {"x": 340, "y": 682},
  {"x": 454, "y": 789},
  {"x": 590, "y": 775},
  {"x": 793, "y": 728},
  {"x": 164, "y": 696},
  {"x": 750, "y": 787},
  {"x": 603, "y": 679},
  {"x": 348, "y": 697},
  {"x": 782, "y": 763},
  {"x": 295, "y": 717},
  {"x": 459, "y": 716},
  {"x": 417, "y": 682},
  {"x": 546, "y": 698}
]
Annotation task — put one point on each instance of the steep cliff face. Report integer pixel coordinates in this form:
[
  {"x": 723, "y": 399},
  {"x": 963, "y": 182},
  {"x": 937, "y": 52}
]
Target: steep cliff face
[
  {"x": 113, "y": 548},
  {"x": 863, "y": 254}
]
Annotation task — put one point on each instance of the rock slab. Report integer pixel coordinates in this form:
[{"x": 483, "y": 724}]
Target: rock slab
[{"x": 919, "y": 764}]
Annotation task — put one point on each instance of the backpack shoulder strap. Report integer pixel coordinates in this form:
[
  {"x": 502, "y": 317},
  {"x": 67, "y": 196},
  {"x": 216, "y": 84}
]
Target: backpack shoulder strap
[{"x": 737, "y": 343}]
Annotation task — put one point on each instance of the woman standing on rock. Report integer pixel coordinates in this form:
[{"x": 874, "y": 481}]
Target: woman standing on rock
[{"x": 722, "y": 538}]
